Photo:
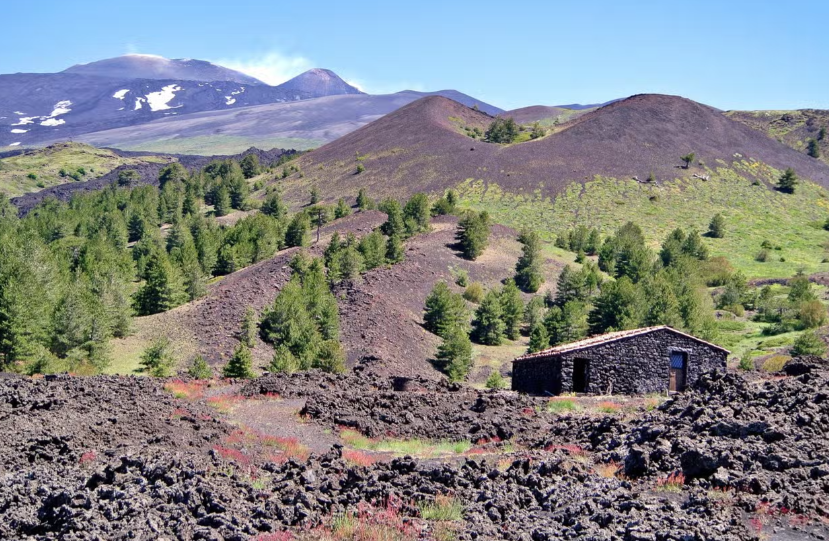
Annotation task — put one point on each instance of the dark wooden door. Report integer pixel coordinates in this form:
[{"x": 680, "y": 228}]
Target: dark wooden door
[{"x": 679, "y": 366}]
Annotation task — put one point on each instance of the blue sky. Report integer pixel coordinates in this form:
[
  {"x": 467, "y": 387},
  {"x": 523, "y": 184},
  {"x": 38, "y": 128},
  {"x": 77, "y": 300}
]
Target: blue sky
[{"x": 732, "y": 54}]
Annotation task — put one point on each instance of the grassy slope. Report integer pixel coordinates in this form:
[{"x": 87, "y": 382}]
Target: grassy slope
[
  {"x": 46, "y": 164},
  {"x": 753, "y": 213},
  {"x": 792, "y": 128}
]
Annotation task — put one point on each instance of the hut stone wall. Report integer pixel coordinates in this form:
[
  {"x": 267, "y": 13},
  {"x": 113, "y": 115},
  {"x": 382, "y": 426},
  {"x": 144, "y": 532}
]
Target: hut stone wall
[{"x": 638, "y": 364}]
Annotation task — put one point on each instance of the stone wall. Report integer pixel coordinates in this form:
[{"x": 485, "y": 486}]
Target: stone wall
[{"x": 633, "y": 365}]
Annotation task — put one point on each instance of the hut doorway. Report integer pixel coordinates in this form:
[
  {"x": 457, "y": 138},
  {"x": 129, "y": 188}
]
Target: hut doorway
[
  {"x": 581, "y": 372},
  {"x": 679, "y": 370}
]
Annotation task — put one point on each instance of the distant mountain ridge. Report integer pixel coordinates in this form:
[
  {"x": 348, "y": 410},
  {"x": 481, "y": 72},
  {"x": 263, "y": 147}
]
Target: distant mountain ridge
[
  {"x": 148, "y": 66},
  {"x": 134, "y": 90}
]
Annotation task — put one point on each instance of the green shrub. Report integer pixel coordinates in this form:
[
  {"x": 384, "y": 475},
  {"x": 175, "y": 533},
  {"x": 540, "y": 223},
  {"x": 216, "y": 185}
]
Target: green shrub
[
  {"x": 474, "y": 292},
  {"x": 809, "y": 343},
  {"x": 461, "y": 276},
  {"x": 199, "y": 369},
  {"x": 775, "y": 363},
  {"x": 496, "y": 380},
  {"x": 561, "y": 405},
  {"x": 746, "y": 363},
  {"x": 157, "y": 359},
  {"x": 240, "y": 365}
]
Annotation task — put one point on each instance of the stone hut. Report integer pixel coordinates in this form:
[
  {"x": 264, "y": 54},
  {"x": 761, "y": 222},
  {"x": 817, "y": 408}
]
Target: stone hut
[{"x": 639, "y": 361}]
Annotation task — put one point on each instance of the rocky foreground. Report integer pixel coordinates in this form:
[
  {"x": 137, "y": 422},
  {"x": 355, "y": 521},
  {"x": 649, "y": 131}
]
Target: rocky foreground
[{"x": 120, "y": 458}]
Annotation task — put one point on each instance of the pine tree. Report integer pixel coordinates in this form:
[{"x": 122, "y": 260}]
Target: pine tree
[
  {"x": 190, "y": 206},
  {"x": 238, "y": 190},
  {"x": 200, "y": 369},
  {"x": 788, "y": 181},
  {"x": 334, "y": 246},
  {"x": 473, "y": 234},
  {"x": 283, "y": 361},
  {"x": 315, "y": 195},
  {"x": 539, "y": 339},
  {"x": 163, "y": 289},
  {"x": 274, "y": 207},
  {"x": 175, "y": 172},
  {"x": 455, "y": 353},
  {"x": 330, "y": 357},
  {"x": 373, "y": 249},
  {"x": 809, "y": 343},
  {"x": 342, "y": 209},
  {"x": 136, "y": 227},
  {"x": 444, "y": 310},
  {"x": 488, "y": 326},
  {"x": 394, "y": 250},
  {"x": 593, "y": 243},
  {"x": 813, "y": 149},
  {"x": 716, "y": 229},
  {"x": 512, "y": 309},
  {"x": 567, "y": 323},
  {"x": 528, "y": 268},
  {"x": 249, "y": 327},
  {"x": 157, "y": 359},
  {"x": 250, "y": 166},
  {"x": 221, "y": 203},
  {"x": 617, "y": 308},
  {"x": 350, "y": 263},
  {"x": 661, "y": 304},
  {"x": 363, "y": 201},
  {"x": 688, "y": 158},
  {"x": 395, "y": 223},
  {"x": 417, "y": 212},
  {"x": 239, "y": 366},
  {"x": 298, "y": 232},
  {"x": 694, "y": 247}
]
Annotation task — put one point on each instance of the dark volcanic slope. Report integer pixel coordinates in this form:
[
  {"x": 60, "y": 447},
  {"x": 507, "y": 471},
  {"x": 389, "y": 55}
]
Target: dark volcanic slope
[
  {"x": 421, "y": 148},
  {"x": 319, "y": 82}
]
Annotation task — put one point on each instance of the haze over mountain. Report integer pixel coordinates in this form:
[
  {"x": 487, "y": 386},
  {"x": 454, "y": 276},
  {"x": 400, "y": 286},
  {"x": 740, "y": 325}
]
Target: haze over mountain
[{"x": 149, "y": 66}]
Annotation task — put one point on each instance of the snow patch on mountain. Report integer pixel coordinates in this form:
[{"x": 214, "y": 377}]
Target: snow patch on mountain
[
  {"x": 19, "y": 131},
  {"x": 61, "y": 108},
  {"x": 14, "y": 144},
  {"x": 158, "y": 101},
  {"x": 53, "y": 122},
  {"x": 120, "y": 94}
]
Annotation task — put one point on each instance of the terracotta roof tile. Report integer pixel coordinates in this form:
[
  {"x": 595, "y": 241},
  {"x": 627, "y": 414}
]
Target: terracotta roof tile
[{"x": 606, "y": 338}]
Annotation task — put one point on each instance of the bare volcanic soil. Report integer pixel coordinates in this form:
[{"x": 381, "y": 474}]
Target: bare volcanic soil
[
  {"x": 422, "y": 147},
  {"x": 119, "y": 458},
  {"x": 380, "y": 314}
]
